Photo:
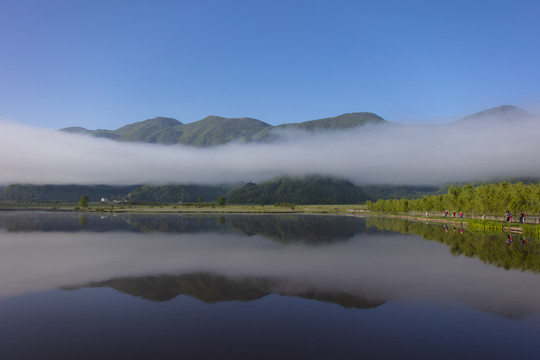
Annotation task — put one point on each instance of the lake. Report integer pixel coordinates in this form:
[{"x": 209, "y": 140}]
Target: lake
[{"x": 94, "y": 286}]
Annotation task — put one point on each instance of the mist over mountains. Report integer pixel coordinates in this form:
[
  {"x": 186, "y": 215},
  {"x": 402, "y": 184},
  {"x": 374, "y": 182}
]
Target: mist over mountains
[{"x": 361, "y": 148}]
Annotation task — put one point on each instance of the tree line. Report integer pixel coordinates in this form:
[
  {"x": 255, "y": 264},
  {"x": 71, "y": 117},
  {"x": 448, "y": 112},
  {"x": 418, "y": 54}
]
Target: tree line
[
  {"x": 291, "y": 190},
  {"x": 487, "y": 199}
]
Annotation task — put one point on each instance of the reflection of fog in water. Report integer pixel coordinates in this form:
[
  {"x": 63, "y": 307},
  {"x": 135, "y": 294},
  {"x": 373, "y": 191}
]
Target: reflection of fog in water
[{"x": 376, "y": 266}]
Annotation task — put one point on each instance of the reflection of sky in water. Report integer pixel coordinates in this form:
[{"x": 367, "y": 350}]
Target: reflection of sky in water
[
  {"x": 375, "y": 266},
  {"x": 101, "y": 323}
]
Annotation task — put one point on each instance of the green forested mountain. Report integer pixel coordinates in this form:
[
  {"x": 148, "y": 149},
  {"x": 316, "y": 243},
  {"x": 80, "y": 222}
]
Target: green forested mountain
[
  {"x": 321, "y": 190},
  {"x": 177, "y": 193},
  {"x": 155, "y": 130},
  {"x": 215, "y": 130},
  {"x": 135, "y": 193},
  {"x": 69, "y": 193},
  {"x": 341, "y": 122},
  {"x": 212, "y": 130},
  {"x": 309, "y": 190}
]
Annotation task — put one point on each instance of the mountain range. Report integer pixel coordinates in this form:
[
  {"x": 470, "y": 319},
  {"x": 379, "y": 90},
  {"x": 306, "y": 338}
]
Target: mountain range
[{"x": 216, "y": 130}]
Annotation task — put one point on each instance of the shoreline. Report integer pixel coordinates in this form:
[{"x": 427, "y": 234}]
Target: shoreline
[
  {"x": 505, "y": 227},
  {"x": 180, "y": 209},
  {"x": 344, "y": 210}
]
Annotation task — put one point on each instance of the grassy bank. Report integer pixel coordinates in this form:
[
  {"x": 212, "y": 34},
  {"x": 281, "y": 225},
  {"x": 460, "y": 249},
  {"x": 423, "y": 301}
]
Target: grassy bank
[
  {"x": 472, "y": 224},
  {"x": 188, "y": 208},
  {"x": 489, "y": 225}
]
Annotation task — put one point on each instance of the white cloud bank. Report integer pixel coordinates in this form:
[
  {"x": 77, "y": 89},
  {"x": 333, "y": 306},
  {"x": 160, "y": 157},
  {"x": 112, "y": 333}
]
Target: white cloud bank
[{"x": 368, "y": 155}]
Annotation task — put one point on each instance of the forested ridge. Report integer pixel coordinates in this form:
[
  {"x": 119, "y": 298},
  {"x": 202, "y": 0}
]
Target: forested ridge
[
  {"x": 216, "y": 130},
  {"x": 307, "y": 190},
  {"x": 310, "y": 190},
  {"x": 62, "y": 193}
]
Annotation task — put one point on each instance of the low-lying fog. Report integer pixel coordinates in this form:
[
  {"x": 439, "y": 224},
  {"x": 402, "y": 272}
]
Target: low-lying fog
[{"x": 367, "y": 155}]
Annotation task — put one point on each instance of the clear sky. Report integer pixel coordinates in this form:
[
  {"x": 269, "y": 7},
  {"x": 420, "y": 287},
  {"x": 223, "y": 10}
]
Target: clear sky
[{"x": 104, "y": 64}]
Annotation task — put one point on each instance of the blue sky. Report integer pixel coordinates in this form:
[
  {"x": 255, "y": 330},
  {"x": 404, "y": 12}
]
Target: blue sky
[{"x": 104, "y": 64}]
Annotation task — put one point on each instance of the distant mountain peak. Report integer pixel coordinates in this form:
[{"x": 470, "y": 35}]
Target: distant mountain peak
[
  {"x": 76, "y": 130},
  {"x": 340, "y": 122},
  {"x": 499, "y": 113},
  {"x": 220, "y": 118},
  {"x": 158, "y": 121}
]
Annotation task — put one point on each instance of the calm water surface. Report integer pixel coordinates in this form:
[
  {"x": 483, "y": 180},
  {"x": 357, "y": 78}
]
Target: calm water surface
[{"x": 262, "y": 286}]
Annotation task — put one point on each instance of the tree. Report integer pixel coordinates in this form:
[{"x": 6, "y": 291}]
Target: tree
[
  {"x": 221, "y": 201},
  {"x": 83, "y": 203}
]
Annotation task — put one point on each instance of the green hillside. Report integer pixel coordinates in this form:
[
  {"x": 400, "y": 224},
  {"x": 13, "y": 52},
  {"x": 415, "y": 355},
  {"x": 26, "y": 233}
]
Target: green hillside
[
  {"x": 341, "y": 122},
  {"x": 150, "y": 131},
  {"x": 136, "y": 193},
  {"x": 67, "y": 193},
  {"x": 308, "y": 190},
  {"x": 177, "y": 193},
  {"x": 215, "y": 130}
]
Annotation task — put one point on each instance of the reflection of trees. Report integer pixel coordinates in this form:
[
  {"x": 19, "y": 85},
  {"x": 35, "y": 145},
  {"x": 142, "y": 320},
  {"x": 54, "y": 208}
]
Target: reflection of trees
[
  {"x": 45, "y": 221},
  {"x": 299, "y": 228},
  {"x": 174, "y": 223},
  {"x": 67, "y": 221},
  {"x": 491, "y": 248},
  {"x": 83, "y": 219},
  {"x": 213, "y": 288},
  {"x": 283, "y": 228}
]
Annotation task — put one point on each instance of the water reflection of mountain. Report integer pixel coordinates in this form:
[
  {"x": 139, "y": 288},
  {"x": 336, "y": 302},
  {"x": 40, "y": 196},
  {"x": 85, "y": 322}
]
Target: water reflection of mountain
[
  {"x": 281, "y": 228},
  {"x": 509, "y": 251},
  {"x": 213, "y": 288}
]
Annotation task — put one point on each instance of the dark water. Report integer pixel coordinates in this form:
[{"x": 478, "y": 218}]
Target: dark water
[{"x": 258, "y": 286}]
